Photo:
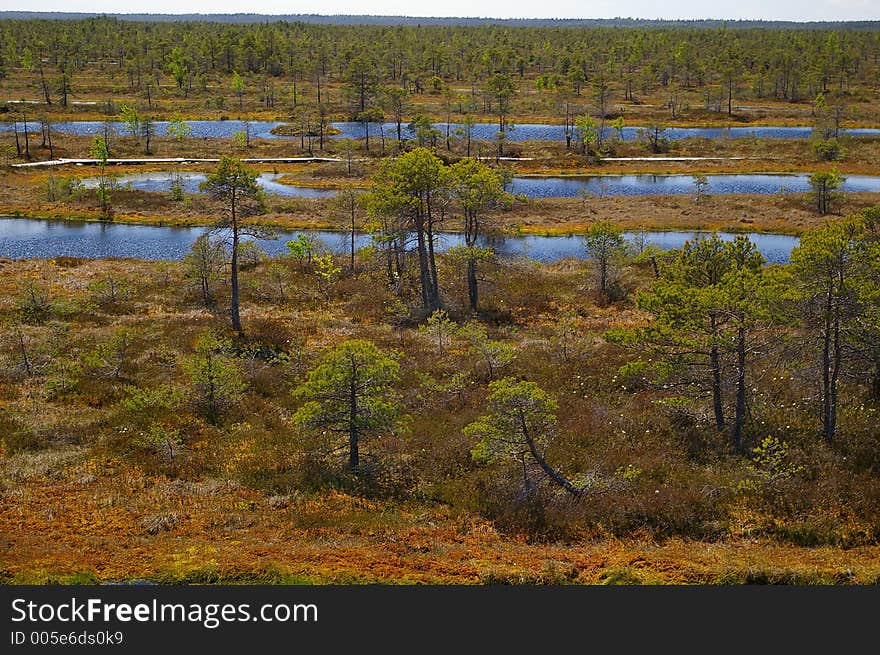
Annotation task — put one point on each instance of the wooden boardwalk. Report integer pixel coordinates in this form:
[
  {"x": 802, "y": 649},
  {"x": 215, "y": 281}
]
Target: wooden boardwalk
[
  {"x": 338, "y": 160},
  {"x": 175, "y": 160}
]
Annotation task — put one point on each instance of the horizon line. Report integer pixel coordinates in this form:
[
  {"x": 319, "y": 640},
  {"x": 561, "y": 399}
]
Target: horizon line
[{"x": 445, "y": 18}]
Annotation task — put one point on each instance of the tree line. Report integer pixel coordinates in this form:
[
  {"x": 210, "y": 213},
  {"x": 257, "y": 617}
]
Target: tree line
[{"x": 762, "y": 62}]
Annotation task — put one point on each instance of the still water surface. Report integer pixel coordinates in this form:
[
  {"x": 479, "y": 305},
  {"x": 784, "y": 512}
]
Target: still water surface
[{"x": 22, "y": 238}]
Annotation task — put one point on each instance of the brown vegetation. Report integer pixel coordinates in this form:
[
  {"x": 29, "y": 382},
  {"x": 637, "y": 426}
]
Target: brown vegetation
[{"x": 249, "y": 499}]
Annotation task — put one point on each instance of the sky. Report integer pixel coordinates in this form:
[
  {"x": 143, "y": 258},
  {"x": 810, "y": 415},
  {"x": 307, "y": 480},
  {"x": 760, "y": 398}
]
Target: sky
[{"x": 797, "y": 10}]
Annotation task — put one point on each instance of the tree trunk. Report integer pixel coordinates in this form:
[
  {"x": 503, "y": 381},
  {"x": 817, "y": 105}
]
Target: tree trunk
[
  {"x": 424, "y": 272},
  {"x": 389, "y": 252},
  {"x": 352, "y": 241},
  {"x": 353, "y": 450},
  {"x": 236, "y": 318},
  {"x": 875, "y": 382},
  {"x": 739, "y": 415},
  {"x": 17, "y": 141},
  {"x": 827, "y": 419},
  {"x": 528, "y": 487},
  {"x": 554, "y": 475},
  {"x": 473, "y": 296},
  {"x": 22, "y": 348},
  {"x": 45, "y": 86},
  {"x": 831, "y": 426},
  {"x": 432, "y": 268},
  {"x": 717, "y": 405},
  {"x": 27, "y": 147}
]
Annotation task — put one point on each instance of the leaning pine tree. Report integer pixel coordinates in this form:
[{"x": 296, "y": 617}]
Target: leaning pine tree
[{"x": 520, "y": 425}]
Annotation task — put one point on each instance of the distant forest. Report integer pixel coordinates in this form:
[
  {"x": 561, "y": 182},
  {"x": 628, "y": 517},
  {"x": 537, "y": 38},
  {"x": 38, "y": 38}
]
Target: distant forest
[
  {"x": 340, "y": 19},
  {"x": 782, "y": 64}
]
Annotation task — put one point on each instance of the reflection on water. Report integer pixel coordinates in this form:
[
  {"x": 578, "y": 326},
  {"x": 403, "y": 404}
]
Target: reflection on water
[
  {"x": 482, "y": 131},
  {"x": 544, "y": 186},
  {"x": 643, "y": 185},
  {"x": 22, "y": 238},
  {"x": 189, "y": 182}
]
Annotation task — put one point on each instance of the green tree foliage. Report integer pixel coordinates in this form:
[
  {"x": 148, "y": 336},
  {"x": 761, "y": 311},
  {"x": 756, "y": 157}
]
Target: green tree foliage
[
  {"x": 235, "y": 186},
  {"x": 216, "y": 380},
  {"x": 701, "y": 187},
  {"x": 827, "y": 149},
  {"x": 409, "y": 190},
  {"x": 495, "y": 353},
  {"x": 771, "y": 461},
  {"x": 250, "y": 254},
  {"x": 362, "y": 84},
  {"x": 478, "y": 189},
  {"x": 303, "y": 248},
  {"x": 520, "y": 425},
  {"x": 412, "y": 193},
  {"x": 424, "y": 130},
  {"x": 112, "y": 358},
  {"x": 242, "y": 138},
  {"x": 587, "y": 133},
  {"x": 729, "y": 65},
  {"x": 175, "y": 188},
  {"x": 99, "y": 152},
  {"x": 832, "y": 62},
  {"x": 350, "y": 394},
  {"x": 148, "y": 406},
  {"x": 326, "y": 272},
  {"x": 238, "y": 87},
  {"x": 502, "y": 89},
  {"x": 744, "y": 299},
  {"x": 131, "y": 118},
  {"x": 824, "y": 185},
  {"x": 866, "y": 337},
  {"x": 349, "y": 203},
  {"x": 178, "y": 128},
  {"x": 33, "y": 302},
  {"x": 607, "y": 247},
  {"x": 707, "y": 305},
  {"x": 440, "y": 328},
  {"x": 205, "y": 265},
  {"x": 655, "y": 138},
  {"x": 825, "y": 137},
  {"x": 110, "y": 290},
  {"x": 178, "y": 67},
  {"x": 396, "y": 100},
  {"x": 62, "y": 376},
  {"x": 835, "y": 270}
]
